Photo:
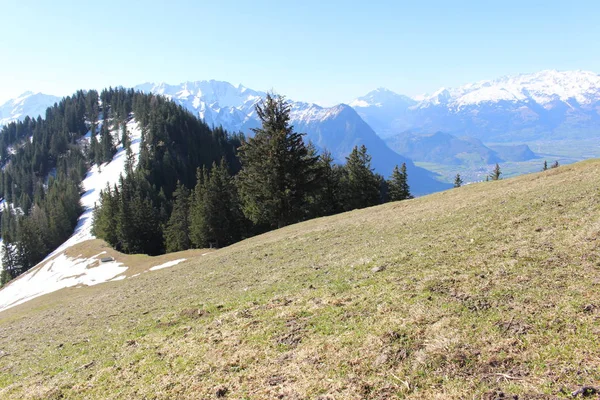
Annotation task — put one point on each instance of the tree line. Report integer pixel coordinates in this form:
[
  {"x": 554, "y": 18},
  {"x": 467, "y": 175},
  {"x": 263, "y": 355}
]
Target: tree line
[
  {"x": 270, "y": 180},
  {"x": 193, "y": 186}
]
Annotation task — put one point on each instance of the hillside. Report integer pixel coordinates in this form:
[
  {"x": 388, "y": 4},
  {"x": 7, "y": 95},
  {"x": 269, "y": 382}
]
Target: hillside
[{"x": 486, "y": 291}]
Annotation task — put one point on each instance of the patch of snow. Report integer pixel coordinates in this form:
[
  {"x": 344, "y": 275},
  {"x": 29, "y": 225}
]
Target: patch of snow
[
  {"x": 58, "y": 273},
  {"x": 167, "y": 264}
]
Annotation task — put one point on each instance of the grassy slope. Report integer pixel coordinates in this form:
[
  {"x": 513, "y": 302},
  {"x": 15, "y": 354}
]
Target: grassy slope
[{"x": 490, "y": 286}]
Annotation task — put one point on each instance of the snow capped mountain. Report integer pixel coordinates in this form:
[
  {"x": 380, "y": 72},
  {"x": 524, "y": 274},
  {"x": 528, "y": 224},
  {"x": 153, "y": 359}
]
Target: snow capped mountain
[
  {"x": 28, "y": 104},
  {"x": 382, "y": 97},
  {"x": 543, "y": 87},
  {"x": 337, "y": 129},
  {"x": 544, "y": 105},
  {"x": 216, "y": 102}
]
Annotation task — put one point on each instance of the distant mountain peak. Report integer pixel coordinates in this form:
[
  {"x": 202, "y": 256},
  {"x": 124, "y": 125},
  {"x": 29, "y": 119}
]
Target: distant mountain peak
[
  {"x": 380, "y": 97},
  {"x": 27, "y": 104},
  {"x": 543, "y": 87}
]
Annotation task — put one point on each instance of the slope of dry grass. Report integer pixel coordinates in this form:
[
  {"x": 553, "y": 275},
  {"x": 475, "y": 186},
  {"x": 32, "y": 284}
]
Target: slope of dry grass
[{"x": 489, "y": 288}]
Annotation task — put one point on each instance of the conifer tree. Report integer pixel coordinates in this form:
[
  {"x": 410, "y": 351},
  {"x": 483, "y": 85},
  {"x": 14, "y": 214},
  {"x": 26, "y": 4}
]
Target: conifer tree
[
  {"x": 177, "y": 232},
  {"x": 495, "y": 175},
  {"x": 327, "y": 200},
  {"x": 359, "y": 184},
  {"x": 545, "y": 167},
  {"x": 555, "y": 164},
  {"x": 277, "y": 172},
  {"x": 198, "y": 223},
  {"x": 458, "y": 182},
  {"x": 398, "y": 185}
]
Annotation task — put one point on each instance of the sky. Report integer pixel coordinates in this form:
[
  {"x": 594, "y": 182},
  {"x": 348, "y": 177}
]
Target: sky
[{"x": 323, "y": 51}]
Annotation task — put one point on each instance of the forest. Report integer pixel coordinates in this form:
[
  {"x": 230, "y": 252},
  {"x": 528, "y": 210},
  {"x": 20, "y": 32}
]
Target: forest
[{"x": 194, "y": 186}]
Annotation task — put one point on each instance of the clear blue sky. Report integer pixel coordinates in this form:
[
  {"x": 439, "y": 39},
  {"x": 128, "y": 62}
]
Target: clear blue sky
[{"x": 324, "y": 51}]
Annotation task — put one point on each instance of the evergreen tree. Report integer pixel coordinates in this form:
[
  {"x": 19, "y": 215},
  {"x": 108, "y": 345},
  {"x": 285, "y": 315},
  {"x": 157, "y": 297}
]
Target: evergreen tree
[
  {"x": 359, "y": 185},
  {"x": 198, "y": 223},
  {"x": 545, "y": 166},
  {"x": 222, "y": 212},
  {"x": 177, "y": 232},
  {"x": 277, "y": 173},
  {"x": 106, "y": 216},
  {"x": 327, "y": 199},
  {"x": 107, "y": 146},
  {"x": 555, "y": 164},
  {"x": 495, "y": 175},
  {"x": 398, "y": 184},
  {"x": 458, "y": 182}
]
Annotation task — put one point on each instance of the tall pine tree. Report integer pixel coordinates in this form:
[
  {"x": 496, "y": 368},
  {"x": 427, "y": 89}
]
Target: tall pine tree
[
  {"x": 278, "y": 171},
  {"x": 360, "y": 186}
]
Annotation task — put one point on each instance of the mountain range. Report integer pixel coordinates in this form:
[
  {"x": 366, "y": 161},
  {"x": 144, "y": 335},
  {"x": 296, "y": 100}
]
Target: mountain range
[
  {"x": 544, "y": 105},
  {"x": 28, "y": 104},
  {"x": 514, "y": 109}
]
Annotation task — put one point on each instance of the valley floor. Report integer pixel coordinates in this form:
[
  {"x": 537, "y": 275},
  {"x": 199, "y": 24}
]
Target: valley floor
[{"x": 487, "y": 289}]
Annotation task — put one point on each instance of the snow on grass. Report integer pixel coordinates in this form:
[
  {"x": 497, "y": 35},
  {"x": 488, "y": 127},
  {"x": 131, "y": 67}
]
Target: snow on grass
[
  {"x": 167, "y": 264},
  {"x": 58, "y": 273}
]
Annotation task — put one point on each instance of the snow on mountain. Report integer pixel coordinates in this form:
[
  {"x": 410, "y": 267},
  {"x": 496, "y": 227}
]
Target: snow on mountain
[
  {"x": 544, "y": 105},
  {"x": 381, "y": 97},
  {"x": 542, "y": 87},
  {"x": 59, "y": 271},
  {"x": 216, "y": 102},
  {"x": 337, "y": 129},
  {"x": 28, "y": 104}
]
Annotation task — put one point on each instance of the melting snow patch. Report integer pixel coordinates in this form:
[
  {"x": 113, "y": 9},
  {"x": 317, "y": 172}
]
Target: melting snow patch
[
  {"x": 58, "y": 273},
  {"x": 167, "y": 264}
]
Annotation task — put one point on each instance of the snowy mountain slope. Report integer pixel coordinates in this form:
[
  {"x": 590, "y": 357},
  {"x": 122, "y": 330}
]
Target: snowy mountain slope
[
  {"x": 337, "y": 129},
  {"x": 27, "y": 104},
  {"x": 58, "y": 270},
  {"x": 544, "y": 105},
  {"x": 544, "y": 88}
]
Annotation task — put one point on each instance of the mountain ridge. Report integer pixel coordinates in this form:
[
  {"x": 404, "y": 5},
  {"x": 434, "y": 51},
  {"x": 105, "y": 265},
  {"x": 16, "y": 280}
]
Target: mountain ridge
[{"x": 548, "y": 104}]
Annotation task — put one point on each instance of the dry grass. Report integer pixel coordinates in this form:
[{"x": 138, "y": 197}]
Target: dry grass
[{"x": 487, "y": 289}]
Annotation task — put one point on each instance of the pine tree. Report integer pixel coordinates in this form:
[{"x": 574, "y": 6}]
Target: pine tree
[
  {"x": 359, "y": 185},
  {"x": 277, "y": 172},
  {"x": 106, "y": 143},
  {"x": 95, "y": 154},
  {"x": 398, "y": 185},
  {"x": 495, "y": 175},
  {"x": 222, "y": 212},
  {"x": 458, "y": 182},
  {"x": 177, "y": 232},
  {"x": 106, "y": 216},
  {"x": 545, "y": 166},
  {"x": 327, "y": 199},
  {"x": 198, "y": 223}
]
